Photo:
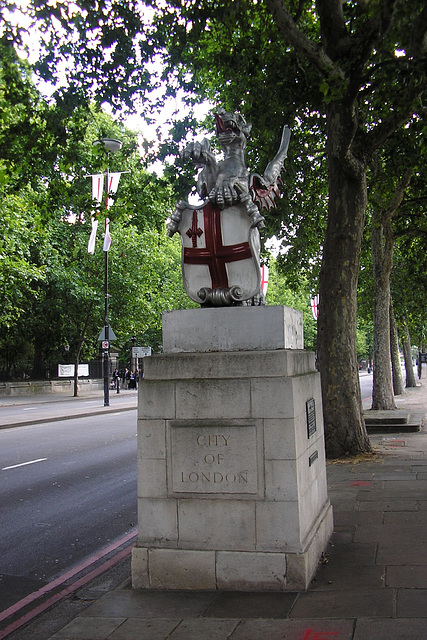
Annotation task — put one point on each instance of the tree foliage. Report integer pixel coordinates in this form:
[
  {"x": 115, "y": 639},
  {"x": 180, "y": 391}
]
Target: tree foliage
[
  {"x": 346, "y": 76},
  {"x": 52, "y": 290}
]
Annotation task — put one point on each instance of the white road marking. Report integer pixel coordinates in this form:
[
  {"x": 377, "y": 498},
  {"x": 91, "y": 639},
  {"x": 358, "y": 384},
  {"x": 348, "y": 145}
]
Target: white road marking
[{"x": 23, "y": 464}]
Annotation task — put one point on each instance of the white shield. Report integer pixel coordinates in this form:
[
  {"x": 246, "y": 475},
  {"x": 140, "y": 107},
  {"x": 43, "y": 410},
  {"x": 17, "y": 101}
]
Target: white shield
[{"x": 220, "y": 254}]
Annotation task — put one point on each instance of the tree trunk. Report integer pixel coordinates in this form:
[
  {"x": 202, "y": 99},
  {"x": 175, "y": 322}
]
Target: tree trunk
[
  {"x": 76, "y": 375},
  {"x": 407, "y": 354},
  {"x": 395, "y": 356},
  {"x": 79, "y": 348},
  {"x": 345, "y": 432},
  {"x": 39, "y": 367},
  {"x": 382, "y": 260}
]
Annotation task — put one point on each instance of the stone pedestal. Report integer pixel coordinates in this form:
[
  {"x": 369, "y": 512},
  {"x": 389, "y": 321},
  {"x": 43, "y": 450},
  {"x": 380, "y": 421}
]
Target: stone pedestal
[{"x": 232, "y": 487}]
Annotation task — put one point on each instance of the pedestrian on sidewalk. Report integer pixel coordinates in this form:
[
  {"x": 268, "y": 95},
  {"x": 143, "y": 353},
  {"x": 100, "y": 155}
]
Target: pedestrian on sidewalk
[{"x": 125, "y": 378}]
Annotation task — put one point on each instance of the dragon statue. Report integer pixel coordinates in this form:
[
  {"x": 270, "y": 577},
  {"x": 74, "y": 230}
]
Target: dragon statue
[{"x": 220, "y": 238}]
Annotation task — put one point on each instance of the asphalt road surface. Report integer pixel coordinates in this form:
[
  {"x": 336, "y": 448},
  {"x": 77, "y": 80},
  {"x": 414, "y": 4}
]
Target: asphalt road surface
[
  {"x": 68, "y": 489},
  {"x": 365, "y": 380}
]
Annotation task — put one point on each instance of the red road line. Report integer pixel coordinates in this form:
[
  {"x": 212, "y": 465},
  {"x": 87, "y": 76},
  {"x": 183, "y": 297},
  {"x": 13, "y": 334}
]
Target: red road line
[
  {"x": 63, "y": 578},
  {"x": 65, "y": 592}
]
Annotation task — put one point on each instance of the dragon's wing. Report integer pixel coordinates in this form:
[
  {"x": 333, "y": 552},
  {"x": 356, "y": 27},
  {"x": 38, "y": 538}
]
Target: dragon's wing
[
  {"x": 265, "y": 188},
  {"x": 274, "y": 167}
]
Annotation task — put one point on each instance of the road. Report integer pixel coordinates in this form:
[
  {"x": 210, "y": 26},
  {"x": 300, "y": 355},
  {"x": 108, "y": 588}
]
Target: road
[
  {"x": 68, "y": 490},
  {"x": 365, "y": 380}
]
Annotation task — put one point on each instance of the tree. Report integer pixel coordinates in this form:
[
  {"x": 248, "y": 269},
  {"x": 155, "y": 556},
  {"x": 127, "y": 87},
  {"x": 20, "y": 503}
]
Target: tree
[
  {"x": 52, "y": 290},
  {"x": 352, "y": 56},
  {"x": 407, "y": 285},
  {"x": 353, "y": 47},
  {"x": 395, "y": 355},
  {"x": 279, "y": 293},
  {"x": 392, "y": 217},
  {"x": 358, "y": 69},
  {"x": 382, "y": 257}
]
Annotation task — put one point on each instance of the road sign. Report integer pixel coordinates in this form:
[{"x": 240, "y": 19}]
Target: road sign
[
  {"x": 111, "y": 334},
  {"x": 141, "y": 352}
]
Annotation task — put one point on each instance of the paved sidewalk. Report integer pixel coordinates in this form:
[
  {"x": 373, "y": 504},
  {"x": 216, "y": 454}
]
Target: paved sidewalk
[
  {"x": 371, "y": 585},
  {"x": 25, "y": 410}
]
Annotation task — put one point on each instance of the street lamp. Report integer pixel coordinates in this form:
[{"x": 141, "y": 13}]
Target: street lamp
[{"x": 110, "y": 145}]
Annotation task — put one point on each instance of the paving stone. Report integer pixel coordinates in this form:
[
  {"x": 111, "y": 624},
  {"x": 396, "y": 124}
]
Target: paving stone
[
  {"x": 401, "y": 489},
  {"x": 408, "y": 553},
  {"x": 391, "y": 504},
  {"x": 406, "y": 475},
  {"x": 389, "y": 534},
  {"x": 407, "y": 576},
  {"x": 343, "y": 537},
  {"x": 152, "y": 604},
  {"x": 383, "y": 629},
  {"x": 352, "y": 555},
  {"x": 138, "y": 629},
  {"x": 349, "y": 503},
  {"x": 203, "y": 629},
  {"x": 353, "y": 603},
  {"x": 412, "y": 603},
  {"x": 401, "y": 518},
  {"x": 333, "y": 576},
  {"x": 252, "y": 605},
  {"x": 294, "y": 630},
  {"x": 342, "y": 518},
  {"x": 89, "y": 628}
]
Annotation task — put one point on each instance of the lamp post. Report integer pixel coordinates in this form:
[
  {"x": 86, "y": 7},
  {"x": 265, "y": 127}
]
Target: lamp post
[{"x": 110, "y": 145}]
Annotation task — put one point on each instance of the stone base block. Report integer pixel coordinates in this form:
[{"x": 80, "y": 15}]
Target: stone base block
[
  {"x": 301, "y": 567},
  {"x": 176, "y": 569},
  {"x": 232, "y": 329}
]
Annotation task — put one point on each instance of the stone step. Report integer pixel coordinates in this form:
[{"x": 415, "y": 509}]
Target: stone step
[
  {"x": 393, "y": 416},
  {"x": 409, "y": 423}
]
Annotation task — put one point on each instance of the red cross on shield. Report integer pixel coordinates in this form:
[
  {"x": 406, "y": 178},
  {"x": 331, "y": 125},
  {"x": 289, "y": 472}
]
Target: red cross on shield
[{"x": 219, "y": 252}]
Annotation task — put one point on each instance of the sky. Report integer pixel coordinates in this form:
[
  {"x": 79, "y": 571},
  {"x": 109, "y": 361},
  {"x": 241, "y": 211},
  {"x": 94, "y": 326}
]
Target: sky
[{"x": 173, "y": 106}]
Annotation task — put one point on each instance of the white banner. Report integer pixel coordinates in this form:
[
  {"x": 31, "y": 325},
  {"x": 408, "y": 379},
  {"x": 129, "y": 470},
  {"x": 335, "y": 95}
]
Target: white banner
[
  {"x": 314, "y": 303},
  {"x": 92, "y": 238},
  {"x": 113, "y": 183},
  {"x": 97, "y": 186},
  {"x": 67, "y": 370},
  {"x": 264, "y": 279},
  {"x": 107, "y": 237}
]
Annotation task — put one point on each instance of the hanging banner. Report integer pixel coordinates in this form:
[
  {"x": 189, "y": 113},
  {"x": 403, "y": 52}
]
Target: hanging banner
[
  {"x": 264, "y": 279},
  {"x": 92, "y": 238},
  {"x": 113, "y": 183},
  {"x": 97, "y": 186},
  {"x": 315, "y": 306},
  {"x": 107, "y": 237}
]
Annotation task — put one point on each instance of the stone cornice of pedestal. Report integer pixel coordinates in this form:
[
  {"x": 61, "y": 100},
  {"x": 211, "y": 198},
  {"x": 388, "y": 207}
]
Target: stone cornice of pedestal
[{"x": 232, "y": 329}]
